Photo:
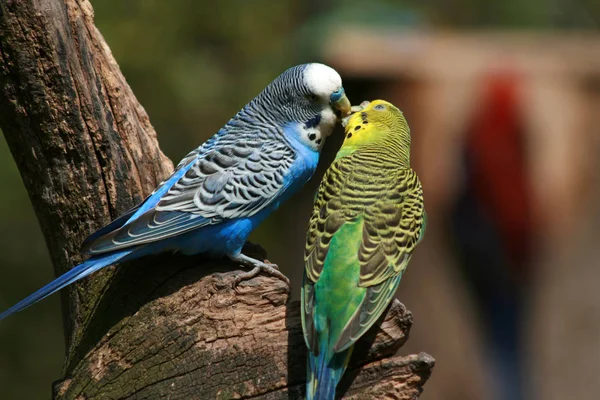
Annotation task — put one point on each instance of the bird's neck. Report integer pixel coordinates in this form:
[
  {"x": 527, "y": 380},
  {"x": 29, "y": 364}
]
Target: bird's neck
[
  {"x": 401, "y": 149},
  {"x": 393, "y": 149}
]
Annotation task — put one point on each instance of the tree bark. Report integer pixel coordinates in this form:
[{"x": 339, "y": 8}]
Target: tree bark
[
  {"x": 83, "y": 144},
  {"x": 167, "y": 326}
]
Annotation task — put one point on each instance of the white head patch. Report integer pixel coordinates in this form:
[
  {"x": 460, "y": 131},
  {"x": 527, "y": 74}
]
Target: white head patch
[{"x": 322, "y": 80}]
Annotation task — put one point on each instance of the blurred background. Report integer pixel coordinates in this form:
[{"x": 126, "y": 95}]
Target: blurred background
[{"x": 501, "y": 98}]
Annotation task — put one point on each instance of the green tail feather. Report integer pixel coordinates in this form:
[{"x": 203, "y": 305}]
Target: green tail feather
[{"x": 338, "y": 296}]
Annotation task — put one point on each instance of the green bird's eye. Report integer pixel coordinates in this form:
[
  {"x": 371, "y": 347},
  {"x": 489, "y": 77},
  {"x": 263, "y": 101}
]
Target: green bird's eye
[{"x": 379, "y": 107}]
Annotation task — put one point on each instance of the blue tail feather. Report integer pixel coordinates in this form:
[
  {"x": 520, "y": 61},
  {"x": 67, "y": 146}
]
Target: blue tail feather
[
  {"x": 76, "y": 273},
  {"x": 324, "y": 373}
]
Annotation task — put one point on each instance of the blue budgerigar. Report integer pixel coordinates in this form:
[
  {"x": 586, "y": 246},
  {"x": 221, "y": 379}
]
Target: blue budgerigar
[{"x": 223, "y": 189}]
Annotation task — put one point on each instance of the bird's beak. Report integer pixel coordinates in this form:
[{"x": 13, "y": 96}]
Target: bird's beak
[{"x": 342, "y": 105}]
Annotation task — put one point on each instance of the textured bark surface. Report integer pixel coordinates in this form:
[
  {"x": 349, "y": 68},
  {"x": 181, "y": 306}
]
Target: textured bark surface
[
  {"x": 167, "y": 326},
  {"x": 83, "y": 144},
  {"x": 190, "y": 335}
]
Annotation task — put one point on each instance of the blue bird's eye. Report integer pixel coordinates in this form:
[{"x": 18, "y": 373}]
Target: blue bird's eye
[
  {"x": 335, "y": 96},
  {"x": 379, "y": 107}
]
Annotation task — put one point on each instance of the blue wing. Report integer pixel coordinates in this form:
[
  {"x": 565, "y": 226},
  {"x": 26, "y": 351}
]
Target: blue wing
[
  {"x": 222, "y": 180},
  {"x": 114, "y": 225}
]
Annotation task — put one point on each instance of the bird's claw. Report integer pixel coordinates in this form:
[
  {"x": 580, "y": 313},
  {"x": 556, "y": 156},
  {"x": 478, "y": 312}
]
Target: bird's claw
[{"x": 270, "y": 269}]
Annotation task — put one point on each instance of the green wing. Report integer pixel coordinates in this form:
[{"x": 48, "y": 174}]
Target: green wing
[
  {"x": 385, "y": 208},
  {"x": 393, "y": 227},
  {"x": 327, "y": 217}
]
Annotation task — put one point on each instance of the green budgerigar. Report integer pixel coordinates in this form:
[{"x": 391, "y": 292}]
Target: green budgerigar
[{"x": 367, "y": 219}]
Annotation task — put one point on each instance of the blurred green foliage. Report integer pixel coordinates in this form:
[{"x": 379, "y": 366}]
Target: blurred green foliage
[{"x": 193, "y": 64}]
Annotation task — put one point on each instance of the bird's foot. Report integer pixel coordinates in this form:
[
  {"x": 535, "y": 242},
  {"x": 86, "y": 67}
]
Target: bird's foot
[{"x": 257, "y": 267}]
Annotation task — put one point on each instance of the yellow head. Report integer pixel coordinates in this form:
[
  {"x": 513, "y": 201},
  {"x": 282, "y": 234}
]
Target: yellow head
[{"x": 379, "y": 124}]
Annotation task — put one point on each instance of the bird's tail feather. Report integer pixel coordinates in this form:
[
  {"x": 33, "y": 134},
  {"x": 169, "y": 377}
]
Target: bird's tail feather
[
  {"x": 324, "y": 376},
  {"x": 81, "y": 271}
]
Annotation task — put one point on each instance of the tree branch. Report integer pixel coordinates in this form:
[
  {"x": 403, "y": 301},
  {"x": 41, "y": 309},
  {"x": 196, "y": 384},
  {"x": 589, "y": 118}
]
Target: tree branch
[
  {"x": 163, "y": 326},
  {"x": 78, "y": 135},
  {"x": 193, "y": 336}
]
